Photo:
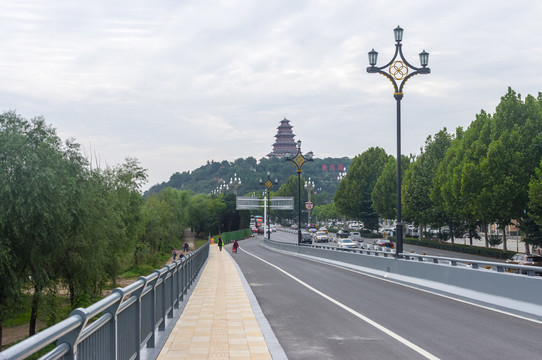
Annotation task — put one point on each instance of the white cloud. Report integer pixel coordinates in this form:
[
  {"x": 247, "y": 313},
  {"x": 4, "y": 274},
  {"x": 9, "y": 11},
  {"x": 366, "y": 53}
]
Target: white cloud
[{"x": 178, "y": 83}]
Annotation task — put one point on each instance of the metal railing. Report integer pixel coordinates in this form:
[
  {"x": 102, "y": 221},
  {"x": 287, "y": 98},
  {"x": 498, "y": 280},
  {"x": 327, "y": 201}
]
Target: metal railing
[
  {"x": 119, "y": 326},
  {"x": 376, "y": 250}
]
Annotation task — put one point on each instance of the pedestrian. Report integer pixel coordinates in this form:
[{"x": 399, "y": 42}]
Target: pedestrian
[
  {"x": 185, "y": 247},
  {"x": 174, "y": 254},
  {"x": 220, "y": 243},
  {"x": 235, "y": 246}
]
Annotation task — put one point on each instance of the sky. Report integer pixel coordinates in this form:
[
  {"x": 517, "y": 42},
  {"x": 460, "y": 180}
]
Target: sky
[{"x": 175, "y": 84}]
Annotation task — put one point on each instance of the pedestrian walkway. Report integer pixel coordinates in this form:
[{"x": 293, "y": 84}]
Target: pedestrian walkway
[{"x": 218, "y": 321}]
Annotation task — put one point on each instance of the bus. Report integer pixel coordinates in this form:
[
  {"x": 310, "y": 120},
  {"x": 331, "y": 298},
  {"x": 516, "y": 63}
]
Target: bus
[{"x": 256, "y": 220}]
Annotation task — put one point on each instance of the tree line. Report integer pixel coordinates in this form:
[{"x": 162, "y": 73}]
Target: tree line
[
  {"x": 66, "y": 223},
  {"x": 489, "y": 173},
  {"x": 208, "y": 177}
]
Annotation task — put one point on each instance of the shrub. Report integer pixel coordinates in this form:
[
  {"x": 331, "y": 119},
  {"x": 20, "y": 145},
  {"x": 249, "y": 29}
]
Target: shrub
[{"x": 466, "y": 249}]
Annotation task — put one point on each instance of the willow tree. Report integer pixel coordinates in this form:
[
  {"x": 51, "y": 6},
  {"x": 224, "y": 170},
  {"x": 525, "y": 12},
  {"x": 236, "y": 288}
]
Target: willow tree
[{"x": 38, "y": 184}]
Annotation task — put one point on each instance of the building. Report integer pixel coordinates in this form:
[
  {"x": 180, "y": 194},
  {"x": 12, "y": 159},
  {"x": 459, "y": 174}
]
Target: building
[{"x": 284, "y": 140}]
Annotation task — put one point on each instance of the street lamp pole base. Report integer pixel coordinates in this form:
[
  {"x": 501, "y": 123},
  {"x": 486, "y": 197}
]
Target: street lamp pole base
[{"x": 398, "y": 239}]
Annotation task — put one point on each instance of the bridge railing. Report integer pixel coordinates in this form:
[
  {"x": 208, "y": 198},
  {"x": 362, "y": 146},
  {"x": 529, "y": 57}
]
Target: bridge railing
[{"x": 119, "y": 326}]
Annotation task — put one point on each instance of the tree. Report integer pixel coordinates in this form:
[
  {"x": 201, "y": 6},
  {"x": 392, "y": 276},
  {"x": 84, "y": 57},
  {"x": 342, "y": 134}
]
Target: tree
[
  {"x": 290, "y": 188},
  {"x": 418, "y": 181},
  {"x": 353, "y": 198},
  {"x": 37, "y": 187},
  {"x": 384, "y": 194}
]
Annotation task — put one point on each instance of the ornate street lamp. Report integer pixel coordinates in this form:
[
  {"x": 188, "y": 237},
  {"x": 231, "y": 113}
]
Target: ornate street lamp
[
  {"x": 268, "y": 184},
  {"x": 341, "y": 176},
  {"x": 309, "y": 186},
  {"x": 398, "y": 70},
  {"x": 235, "y": 182},
  {"x": 299, "y": 160}
]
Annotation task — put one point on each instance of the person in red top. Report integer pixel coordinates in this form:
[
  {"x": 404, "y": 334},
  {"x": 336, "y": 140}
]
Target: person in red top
[{"x": 235, "y": 246}]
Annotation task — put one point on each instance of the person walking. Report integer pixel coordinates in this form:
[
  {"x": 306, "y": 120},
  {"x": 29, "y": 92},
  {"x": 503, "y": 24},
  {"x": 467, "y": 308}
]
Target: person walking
[
  {"x": 235, "y": 246},
  {"x": 220, "y": 243},
  {"x": 174, "y": 254}
]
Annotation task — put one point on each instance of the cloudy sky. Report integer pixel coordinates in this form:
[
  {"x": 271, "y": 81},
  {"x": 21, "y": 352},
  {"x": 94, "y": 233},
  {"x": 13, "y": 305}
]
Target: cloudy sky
[{"x": 177, "y": 83}]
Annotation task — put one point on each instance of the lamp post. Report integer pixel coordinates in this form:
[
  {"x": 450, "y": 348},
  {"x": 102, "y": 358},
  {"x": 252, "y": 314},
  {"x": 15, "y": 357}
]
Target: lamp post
[
  {"x": 299, "y": 160},
  {"x": 235, "y": 182},
  {"x": 340, "y": 177},
  {"x": 268, "y": 184},
  {"x": 398, "y": 74},
  {"x": 309, "y": 186}
]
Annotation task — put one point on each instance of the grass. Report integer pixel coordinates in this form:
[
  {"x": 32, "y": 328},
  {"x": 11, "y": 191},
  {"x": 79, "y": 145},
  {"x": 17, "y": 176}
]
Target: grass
[
  {"x": 137, "y": 271},
  {"x": 200, "y": 242}
]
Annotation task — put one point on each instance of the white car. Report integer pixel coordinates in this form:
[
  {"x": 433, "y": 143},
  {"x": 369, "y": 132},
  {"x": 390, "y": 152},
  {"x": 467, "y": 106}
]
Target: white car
[
  {"x": 355, "y": 236},
  {"x": 346, "y": 243},
  {"x": 321, "y": 236},
  {"x": 323, "y": 228}
]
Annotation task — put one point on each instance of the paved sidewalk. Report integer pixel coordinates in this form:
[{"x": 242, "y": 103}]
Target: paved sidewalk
[{"x": 218, "y": 321}]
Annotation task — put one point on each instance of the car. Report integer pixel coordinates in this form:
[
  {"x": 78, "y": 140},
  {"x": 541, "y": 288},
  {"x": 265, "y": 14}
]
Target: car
[
  {"x": 324, "y": 229},
  {"x": 320, "y": 236},
  {"x": 355, "y": 236},
  {"x": 527, "y": 260},
  {"x": 254, "y": 229},
  {"x": 346, "y": 243},
  {"x": 306, "y": 237},
  {"x": 388, "y": 232},
  {"x": 342, "y": 234},
  {"x": 312, "y": 228},
  {"x": 294, "y": 226},
  {"x": 384, "y": 243},
  {"x": 273, "y": 228}
]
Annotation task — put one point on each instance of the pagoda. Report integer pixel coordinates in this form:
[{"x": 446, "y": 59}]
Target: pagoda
[{"x": 284, "y": 141}]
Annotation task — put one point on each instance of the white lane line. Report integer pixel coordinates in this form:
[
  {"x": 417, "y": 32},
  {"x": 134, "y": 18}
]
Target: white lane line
[
  {"x": 397, "y": 337},
  {"x": 466, "y": 302}
]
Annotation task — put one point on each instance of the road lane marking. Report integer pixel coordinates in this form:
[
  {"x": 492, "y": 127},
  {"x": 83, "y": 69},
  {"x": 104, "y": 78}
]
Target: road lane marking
[
  {"x": 449, "y": 297},
  {"x": 385, "y": 330}
]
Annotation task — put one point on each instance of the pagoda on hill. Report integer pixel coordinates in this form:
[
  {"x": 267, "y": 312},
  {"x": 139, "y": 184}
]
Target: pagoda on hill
[{"x": 284, "y": 141}]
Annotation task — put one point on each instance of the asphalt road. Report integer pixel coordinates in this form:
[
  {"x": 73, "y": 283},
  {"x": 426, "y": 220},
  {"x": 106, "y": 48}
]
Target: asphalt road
[{"x": 319, "y": 311}]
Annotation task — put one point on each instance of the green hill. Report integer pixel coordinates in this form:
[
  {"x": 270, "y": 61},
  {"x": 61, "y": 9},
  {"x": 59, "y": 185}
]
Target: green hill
[{"x": 208, "y": 177}]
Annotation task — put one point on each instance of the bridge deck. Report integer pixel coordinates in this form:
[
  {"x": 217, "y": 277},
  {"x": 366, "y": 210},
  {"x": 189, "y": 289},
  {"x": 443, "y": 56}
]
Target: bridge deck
[{"x": 218, "y": 321}]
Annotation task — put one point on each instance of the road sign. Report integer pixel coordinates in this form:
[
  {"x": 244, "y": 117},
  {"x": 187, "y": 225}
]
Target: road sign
[{"x": 254, "y": 203}]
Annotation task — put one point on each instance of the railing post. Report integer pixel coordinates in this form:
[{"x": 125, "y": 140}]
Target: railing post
[
  {"x": 139, "y": 293},
  {"x": 114, "y": 310},
  {"x": 72, "y": 337},
  {"x": 162, "y": 325},
  {"x": 151, "y": 342}
]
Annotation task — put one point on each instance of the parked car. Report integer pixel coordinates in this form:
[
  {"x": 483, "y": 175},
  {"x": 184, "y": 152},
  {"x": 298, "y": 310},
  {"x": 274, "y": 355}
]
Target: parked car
[
  {"x": 321, "y": 236},
  {"x": 306, "y": 237},
  {"x": 527, "y": 260},
  {"x": 355, "y": 236},
  {"x": 346, "y": 243},
  {"x": 384, "y": 243},
  {"x": 388, "y": 232},
  {"x": 343, "y": 234}
]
